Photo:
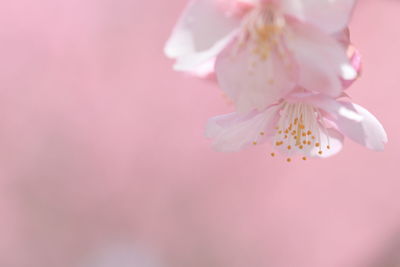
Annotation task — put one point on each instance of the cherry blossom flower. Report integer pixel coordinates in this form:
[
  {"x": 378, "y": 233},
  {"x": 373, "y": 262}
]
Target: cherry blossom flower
[
  {"x": 264, "y": 49},
  {"x": 305, "y": 124}
]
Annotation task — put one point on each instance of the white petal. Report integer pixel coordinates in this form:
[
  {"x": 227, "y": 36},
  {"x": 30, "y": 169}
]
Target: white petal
[
  {"x": 322, "y": 60},
  {"x": 201, "y": 32},
  {"x": 250, "y": 80},
  {"x": 368, "y": 132},
  {"x": 204, "y": 70},
  {"x": 330, "y": 15},
  {"x": 332, "y": 139},
  {"x": 336, "y": 108},
  {"x": 233, "y": 132},
  {"x": 348, "y": 72},
  {"x": 353, "y": 121},
  {"x": 325, "y": 142},
  {"x": 194, "y": 62}
]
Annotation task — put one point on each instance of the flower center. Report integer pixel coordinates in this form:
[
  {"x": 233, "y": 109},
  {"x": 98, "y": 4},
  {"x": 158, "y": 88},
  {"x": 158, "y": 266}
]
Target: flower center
[
  {"x": 262, "y": 29},
  {"x": 300, "y": 129}
]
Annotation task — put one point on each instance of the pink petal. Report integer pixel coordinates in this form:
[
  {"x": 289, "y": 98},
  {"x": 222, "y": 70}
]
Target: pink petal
[
  {"x": 356, "y": 62},
  {"x": 322, "y": 60},
  {"x": 333, "y": 139},
  {"x": 250, "y": 80},
  {"x": 343, "y": 37},
  {"x": 335, "y": 108},
  {"x": 330, "y": 142},
  {"x": 233, "y": 132},
  {"x": 353, "y": 121},
  {"x": 368, "y": 132},
  {"x": 200, "y": 34},
  {"x": 205, "y": 70},
  {"x": 329, "y": 15}
]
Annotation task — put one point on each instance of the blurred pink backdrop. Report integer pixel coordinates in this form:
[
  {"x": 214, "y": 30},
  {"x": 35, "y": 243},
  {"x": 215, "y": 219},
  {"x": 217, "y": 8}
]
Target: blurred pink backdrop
[{"x": 103, "y": 160}]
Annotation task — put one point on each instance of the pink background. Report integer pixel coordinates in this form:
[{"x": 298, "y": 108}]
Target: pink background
[{"x": 103, "y": 160}]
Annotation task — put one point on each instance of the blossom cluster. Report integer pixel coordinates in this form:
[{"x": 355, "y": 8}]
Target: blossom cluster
[{"x": 286, "y": 65}]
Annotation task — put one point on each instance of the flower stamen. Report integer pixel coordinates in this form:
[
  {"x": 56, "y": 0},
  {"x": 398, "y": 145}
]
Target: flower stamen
[{"x": 304, "y": 123}]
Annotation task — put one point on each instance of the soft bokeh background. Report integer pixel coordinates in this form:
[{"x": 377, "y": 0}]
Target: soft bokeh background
[{"x": 103, "y": 161}]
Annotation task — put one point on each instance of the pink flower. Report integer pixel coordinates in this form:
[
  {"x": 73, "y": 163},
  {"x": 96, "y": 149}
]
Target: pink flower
[
  {"x": 306, "y": 124},
  {"x": 264, "y": 49}
]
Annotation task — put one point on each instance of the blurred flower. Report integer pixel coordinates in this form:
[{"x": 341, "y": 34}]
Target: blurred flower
[
  {"x": 304, "y": 123},
  {"x": 264, "y": 49}
]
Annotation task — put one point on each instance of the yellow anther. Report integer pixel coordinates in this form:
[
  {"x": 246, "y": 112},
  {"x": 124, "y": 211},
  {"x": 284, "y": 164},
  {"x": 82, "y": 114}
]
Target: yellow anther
[
  {"x": 320, "y": 152},
  {"x": 328, "y": 147},
  {"x": 254, "y": 143},
  {"x": 288, "y": 159},
  {"x": 279, "y": 132},
  {"x": 272, "y": 154},
  {"x": 309, "y": 132},
  {"x": 289, "y": 147},
  {"x": 313, "y": 137},
  {"x": 262, "y": 133},
  {"x": 304, "y": 134},
  {"x": 317, "y": 144},
  {"x": 304, "y": 158},
  {"x": 286, "y": 136},
  {"x": 309, "y": 143},
  {"x": 305, "y": 142},
  {"x": 286, "y": 132},
  {"x": 293, "y": 132},
  {"x": 302, "y": 127},
  {"x": 301, "y": 146}
]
